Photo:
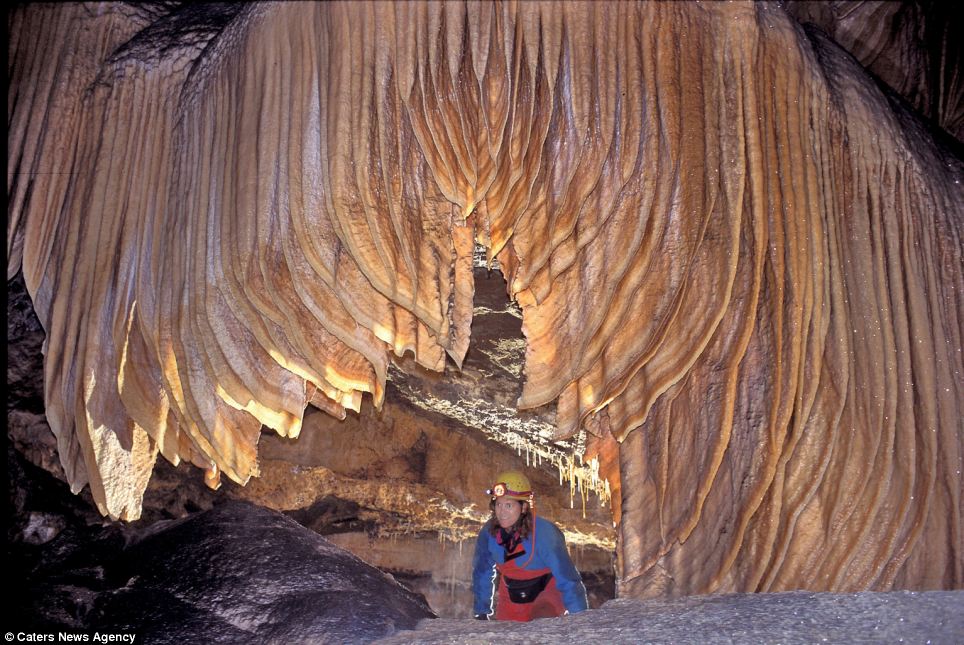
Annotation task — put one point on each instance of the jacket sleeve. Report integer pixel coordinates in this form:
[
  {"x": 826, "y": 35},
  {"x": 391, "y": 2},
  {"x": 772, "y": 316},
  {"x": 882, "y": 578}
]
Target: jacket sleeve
[
  {"x": 555, "y": 554},
  {"x": 483, "y": 575}
]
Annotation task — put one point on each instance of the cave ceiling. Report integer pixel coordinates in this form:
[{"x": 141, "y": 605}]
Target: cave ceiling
[{"x": 735, "y": 257}]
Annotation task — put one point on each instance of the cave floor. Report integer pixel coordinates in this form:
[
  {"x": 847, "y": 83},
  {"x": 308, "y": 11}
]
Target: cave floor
[{"x": 787, "y": 618}]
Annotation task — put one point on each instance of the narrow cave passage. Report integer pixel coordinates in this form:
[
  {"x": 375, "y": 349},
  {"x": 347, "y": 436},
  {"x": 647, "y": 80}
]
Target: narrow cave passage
[{"x": 403, "y": 487}]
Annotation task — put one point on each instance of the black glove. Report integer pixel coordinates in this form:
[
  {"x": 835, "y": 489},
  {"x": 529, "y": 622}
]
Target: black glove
[{"x": 481, "y": 616}]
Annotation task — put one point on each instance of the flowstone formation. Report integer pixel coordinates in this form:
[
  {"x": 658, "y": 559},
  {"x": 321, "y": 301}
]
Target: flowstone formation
[
  {"x": 913, "y": 47},
  {"x": 402, "y": 487},
  {"x": 738, "y": 262}
]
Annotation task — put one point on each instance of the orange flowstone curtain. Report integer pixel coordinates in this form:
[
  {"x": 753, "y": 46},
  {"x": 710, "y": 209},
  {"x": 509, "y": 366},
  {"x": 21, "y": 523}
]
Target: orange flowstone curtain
[{"x": 738, "y": 265}]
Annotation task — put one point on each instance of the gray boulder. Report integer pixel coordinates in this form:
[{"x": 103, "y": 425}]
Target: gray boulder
[{"x": 241, "y": 573}]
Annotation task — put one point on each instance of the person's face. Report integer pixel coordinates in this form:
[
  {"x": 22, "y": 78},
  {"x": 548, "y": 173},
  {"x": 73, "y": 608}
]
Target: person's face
[{"x": 507, "y": 511}]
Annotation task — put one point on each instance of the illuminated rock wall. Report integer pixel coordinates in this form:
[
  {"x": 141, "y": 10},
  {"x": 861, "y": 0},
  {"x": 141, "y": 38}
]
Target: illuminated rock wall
[{"x": 739, "y": 266}]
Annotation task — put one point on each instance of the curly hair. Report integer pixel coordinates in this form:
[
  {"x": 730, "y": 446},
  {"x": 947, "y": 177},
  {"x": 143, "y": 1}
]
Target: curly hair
[{"x": 522, "y": 526}]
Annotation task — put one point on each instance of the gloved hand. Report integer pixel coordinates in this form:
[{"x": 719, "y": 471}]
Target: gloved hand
[{"x": 481, "y": 616}]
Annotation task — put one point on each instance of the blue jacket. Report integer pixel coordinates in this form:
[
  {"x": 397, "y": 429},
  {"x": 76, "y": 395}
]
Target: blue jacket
[{"x": 551, "y": 553}]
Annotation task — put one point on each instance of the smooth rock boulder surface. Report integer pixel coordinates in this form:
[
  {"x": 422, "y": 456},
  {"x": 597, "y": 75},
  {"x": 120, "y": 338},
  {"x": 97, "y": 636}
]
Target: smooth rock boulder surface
[
  {"x": 240, "y": 573},
  {"x": 786, "y": 618}
]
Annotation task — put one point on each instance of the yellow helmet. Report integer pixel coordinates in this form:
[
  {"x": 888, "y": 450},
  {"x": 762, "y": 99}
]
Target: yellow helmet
[{"x": 512, "y": 484}]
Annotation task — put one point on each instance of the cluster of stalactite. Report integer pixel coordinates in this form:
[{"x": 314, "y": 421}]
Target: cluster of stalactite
[{"x": 740, "y": 269}]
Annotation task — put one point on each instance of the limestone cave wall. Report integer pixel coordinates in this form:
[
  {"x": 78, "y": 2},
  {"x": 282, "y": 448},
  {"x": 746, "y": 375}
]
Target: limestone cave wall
[{"x": 738, "y": 260}]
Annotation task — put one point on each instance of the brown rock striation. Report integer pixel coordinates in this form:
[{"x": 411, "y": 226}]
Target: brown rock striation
[
  {"x": 913, "y": 47},
  {"x": 738, "y": 264}
]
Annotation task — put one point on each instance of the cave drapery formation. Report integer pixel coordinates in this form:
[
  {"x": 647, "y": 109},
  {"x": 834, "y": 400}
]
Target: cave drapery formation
[
  {"x": 913, "y": 47},
  {"x": 739, "y": 263}
]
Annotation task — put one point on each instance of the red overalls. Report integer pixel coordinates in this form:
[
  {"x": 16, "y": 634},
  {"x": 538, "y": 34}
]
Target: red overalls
[{"x": 547, "y": 604}]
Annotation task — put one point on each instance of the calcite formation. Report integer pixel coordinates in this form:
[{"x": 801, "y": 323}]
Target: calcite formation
[
  {"x": 914, "y": 47},
  {"x": 739, "y": 264}
]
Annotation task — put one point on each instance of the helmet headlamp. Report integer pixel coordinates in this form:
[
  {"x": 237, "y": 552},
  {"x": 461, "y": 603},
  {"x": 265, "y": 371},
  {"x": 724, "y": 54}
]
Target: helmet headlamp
[
  {"x": 511, "y": 484},
  {"x": 502, "y": 490}
]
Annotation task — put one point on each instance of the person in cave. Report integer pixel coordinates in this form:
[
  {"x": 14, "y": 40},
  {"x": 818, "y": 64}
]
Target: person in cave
[{"x": 537, "y": 577}]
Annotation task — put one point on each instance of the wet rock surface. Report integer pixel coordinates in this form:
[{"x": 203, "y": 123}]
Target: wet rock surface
[
  {"x": 241, "y": 573},
  {"x": 237, "y": 573},
  {"x": 791, "y": 617}
]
